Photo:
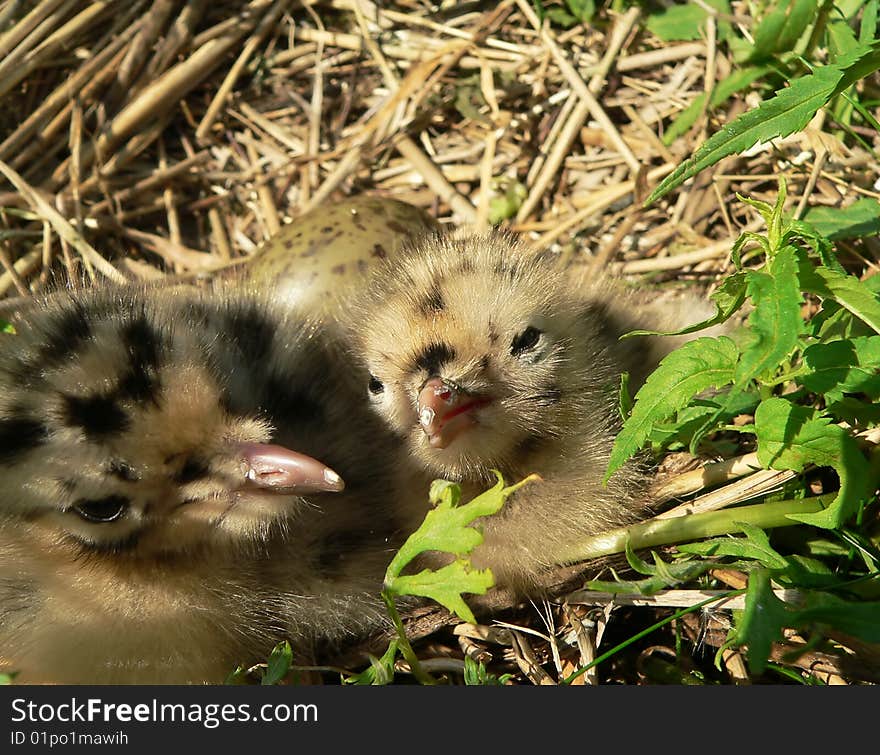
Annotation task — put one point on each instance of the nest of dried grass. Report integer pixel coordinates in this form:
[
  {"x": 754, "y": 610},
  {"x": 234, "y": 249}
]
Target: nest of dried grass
[{"x": 162, "y": 137}]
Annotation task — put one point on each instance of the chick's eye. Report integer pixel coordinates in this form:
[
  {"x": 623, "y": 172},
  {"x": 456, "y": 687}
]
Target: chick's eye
[
  {"x": 102, "y": 510},
  {"x": 375, "y": 385},
  {"x": 525, "y": 341}
]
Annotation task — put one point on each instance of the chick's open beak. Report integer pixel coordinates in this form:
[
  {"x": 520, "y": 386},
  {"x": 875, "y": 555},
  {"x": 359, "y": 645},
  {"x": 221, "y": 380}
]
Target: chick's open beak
[
  {"x": 445, "y": 411},
  {"x": 279, "y": 468}
]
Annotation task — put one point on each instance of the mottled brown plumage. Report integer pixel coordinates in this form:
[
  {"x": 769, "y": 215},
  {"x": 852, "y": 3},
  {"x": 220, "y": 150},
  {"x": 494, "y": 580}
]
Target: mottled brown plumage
[
  {"x": 154, "y": 525},
  {"x": 485, "y": 355}
]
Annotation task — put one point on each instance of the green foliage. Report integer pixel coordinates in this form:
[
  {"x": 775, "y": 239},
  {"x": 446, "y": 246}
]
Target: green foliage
[
  {"x": 789, "y": 111},
  {"x": 447, "y": 528},
  {"x": 861, "y": 218},
  {"x": 475, "y": 674},
  {"x": 777, "y": 348},
  {"x": 809, "y": 385},
  {"x": 278, "y": 664},
  {"x": 686, "y": 372},
  {"x": 505, "y": 205},
  {"x": 380, "y": 671},
  {"x": 6, "y": 679},
  {"x": 567, "y": 15},
  {"x": 688, "y": 21}
]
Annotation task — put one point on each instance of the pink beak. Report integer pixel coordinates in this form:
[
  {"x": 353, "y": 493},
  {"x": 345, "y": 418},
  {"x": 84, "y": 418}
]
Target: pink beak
[
  {"x": 278, "y": 468},
  {"x": 445, "y": 411}
]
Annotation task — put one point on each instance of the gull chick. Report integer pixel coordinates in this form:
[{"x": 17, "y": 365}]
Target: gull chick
[
  {"x": 177, "y": 497},
  {"x": 484, "y": 355}
]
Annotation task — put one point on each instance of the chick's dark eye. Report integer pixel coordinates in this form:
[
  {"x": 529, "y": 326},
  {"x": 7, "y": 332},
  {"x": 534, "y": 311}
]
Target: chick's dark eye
[
  {"x": 375, "y": 385},
  {"x": 525, "y": 341},
  {"x": 101, "y": 510}
]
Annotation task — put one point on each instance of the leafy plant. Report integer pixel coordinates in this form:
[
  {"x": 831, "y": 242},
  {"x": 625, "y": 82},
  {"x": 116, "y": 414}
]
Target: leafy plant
[
  {"x": 446, "y": 528},
  {"x": 810, "y": 384},
  {"x": 779, "y": 55}
]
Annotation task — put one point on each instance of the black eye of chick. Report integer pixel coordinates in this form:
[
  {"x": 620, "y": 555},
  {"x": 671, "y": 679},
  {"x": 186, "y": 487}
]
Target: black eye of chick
[
  {"x": 375, "y": 385},
  {"x": 103, "y": 510},
  {"x": 525, "y": 341}
]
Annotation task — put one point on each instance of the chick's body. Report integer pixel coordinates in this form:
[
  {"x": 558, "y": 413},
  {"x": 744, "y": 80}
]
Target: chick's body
[
  {"x": 485, "y": 356},
  {"x": 155, "y": 526}
]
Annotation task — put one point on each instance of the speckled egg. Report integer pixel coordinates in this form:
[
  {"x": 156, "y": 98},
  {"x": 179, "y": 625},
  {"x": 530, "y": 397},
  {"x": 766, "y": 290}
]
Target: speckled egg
[{"x": 317, "y": 259}]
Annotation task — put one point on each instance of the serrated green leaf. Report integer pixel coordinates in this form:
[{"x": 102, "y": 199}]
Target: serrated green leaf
[
  {"x": 775, "y": 323},
  {"x": 846, "y": 366},
  {"x": 446, "y": 585},
  {"x": 278, "y": 664},
  {"x": 447, "y": 528},
  {"x": 847, "y": 290},
  {"x": 728, "y": 298},
  {"x": 689, "y": 370},
  {"x": 788, "y": 111},
  {"x": 736, "y": 82},
  {"x": 791, "y": 436},
  {"x": 861, "y": 218}
]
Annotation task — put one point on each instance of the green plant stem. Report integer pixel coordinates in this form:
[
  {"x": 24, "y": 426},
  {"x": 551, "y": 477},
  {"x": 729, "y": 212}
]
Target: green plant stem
[
  {"x": 653, "y": 628},
  {"x": 409, "y": 655},
  {"x": 693, "y": 527}
]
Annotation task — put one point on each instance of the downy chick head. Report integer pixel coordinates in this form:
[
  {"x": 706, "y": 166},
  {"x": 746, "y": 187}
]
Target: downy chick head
[
  {"x": 130, "y": 423},
  {"x": 482, "y": 356}
]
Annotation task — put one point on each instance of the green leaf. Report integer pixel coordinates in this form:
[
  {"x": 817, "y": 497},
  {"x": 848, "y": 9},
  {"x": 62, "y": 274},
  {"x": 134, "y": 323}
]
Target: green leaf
[
  {"x": 446, "y": 585},
  {"x": 380, "y": 671},
  {"x": 781, "y": 27},
  {"x": 861, "y": 218},
  {"x": 776, "y": 322},
  {"x": 788, "y": 111},
  {"x": 675, "y": 573},
  {"x": 475, "y": 674},
  {"x": 847, "y": 290},
  {"x": 791, "y": 436},
  {"x": 858, "y": 619},
  {"x": 857, "y": 413},
  {"x": 278, "y": 664},
  {"x": 689, "y": 370},
  {"x": 447, "y": 528},
  {"x": 756, "y": 546},
  {"x": 762, "y": 621},
  {"x": 736, "y": 82},
  {"x": 6, "y": 679},
  {"x": 846, "y": 366},
  {"x": 868, "y": 28},
  {"x": 582, "y": 10},
  {"x": 728, "y": 298},
  {"x": 680, "y": 23},
  {"x": 6, "y": 327}
]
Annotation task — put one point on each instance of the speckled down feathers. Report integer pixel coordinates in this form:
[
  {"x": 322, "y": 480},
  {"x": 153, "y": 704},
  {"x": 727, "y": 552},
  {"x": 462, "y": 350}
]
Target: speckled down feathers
[
  {"x": 463, "y": 308},
  {"x": 129, "y": 398}
]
